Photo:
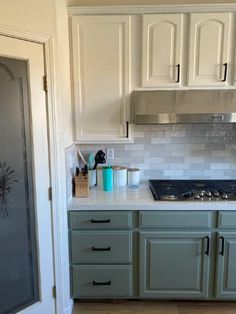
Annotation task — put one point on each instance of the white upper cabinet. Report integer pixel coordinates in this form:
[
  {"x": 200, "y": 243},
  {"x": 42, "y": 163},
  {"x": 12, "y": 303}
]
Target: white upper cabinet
[
  {"x": 209, "y": 51},
  {"x": 101, "y": 78},
  {"x": 162, "y": 43}
]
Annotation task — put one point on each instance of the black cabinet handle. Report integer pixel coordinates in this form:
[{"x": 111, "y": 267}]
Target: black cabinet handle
[
  {"x": 105, "y": 221},
  {"x": 101, "y": 248},
  {"x": 222, "y": 239},
  {"x": 207, "y": 246},
  {"x": 226, "y": 70},
  {"x": 178, "y": 73},
  {"x": 104, "y": 283},
  {"x": 127, "y": 129}
]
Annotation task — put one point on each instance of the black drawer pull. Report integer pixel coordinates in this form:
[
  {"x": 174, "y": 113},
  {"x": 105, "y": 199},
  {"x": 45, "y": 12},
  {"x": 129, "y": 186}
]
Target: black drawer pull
[
  {"x": 101, "y": 248},
  {"x": 208, "y": 246},
  {"x": 104, "y": 283},
  {"x": 105, "y": 221},
  {"x": 222, "y": 246}
]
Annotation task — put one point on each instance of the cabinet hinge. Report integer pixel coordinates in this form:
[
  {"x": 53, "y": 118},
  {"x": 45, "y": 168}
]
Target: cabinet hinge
[
  {"x": 45, "y": 83},
  {"x": 50, "y": 193},
  {"x": 54, "y": 292}
]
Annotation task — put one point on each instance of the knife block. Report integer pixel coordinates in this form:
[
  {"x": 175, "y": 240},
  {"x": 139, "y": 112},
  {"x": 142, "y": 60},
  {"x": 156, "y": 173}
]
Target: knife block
[{"x": 81, "y": 185}]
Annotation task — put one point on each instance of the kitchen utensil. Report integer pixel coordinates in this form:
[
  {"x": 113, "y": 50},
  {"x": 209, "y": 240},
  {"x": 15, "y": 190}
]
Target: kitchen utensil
[
  {"x": 81, "y": 158},
  {"x": 91, "y": 161},
  {"x": 99, "y": 158}
]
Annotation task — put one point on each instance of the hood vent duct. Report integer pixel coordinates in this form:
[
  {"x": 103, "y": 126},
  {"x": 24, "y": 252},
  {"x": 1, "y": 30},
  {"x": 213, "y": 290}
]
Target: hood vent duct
[{"x": 184, "y": 106}]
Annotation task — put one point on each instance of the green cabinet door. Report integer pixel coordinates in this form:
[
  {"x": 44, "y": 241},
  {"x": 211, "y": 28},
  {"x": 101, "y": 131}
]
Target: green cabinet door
[
  {"x": 226, "y": 266},
  {"x": 174, "y": 264}
]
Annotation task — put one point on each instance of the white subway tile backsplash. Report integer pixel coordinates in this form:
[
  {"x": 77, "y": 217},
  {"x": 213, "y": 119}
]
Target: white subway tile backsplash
[
  {"x": 203, "y": 151},
  {"x": 192, "y": 160},
  {"x": 160, "y": 140},
  {"x": 222, "y": 166},
  {"x": 129, "y": 147},
  {"x": 151, "y": 160}
]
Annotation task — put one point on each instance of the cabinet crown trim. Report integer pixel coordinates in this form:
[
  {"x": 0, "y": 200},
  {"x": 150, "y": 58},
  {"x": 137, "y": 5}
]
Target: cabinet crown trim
[{"x": 152, "y": 9}]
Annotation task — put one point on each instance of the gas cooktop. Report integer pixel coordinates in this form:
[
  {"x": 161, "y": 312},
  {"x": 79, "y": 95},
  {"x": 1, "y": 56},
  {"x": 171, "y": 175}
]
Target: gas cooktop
[{"x": 193, "y": 190}]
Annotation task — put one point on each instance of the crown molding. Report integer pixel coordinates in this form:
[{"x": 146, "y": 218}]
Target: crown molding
[
  {"x": 23, "y": 34},
  {"x": 148, "y": 9}
]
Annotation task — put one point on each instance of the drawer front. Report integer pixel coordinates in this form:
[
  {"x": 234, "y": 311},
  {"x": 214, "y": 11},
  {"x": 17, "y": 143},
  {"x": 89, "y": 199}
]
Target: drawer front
[
  {"x": 101, "y": 247},
  {"x": 175, "y": 219},
  {"x": 100, "y": 220},
  {"x": 227, "y": 220},
  {"x": 101, "y": 281}
]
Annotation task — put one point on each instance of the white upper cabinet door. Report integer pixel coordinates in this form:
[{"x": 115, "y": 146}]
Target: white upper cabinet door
[
  {"x": 209, "y": 54},
  {"x": 101, "y": 78},
  {"x": 162, "y": 50}
]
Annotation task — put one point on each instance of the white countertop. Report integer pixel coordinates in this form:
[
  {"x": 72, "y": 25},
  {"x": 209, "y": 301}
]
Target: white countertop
[{"x": 140, "y": 198}]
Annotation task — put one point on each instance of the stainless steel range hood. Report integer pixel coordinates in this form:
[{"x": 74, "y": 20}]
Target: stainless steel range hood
[{"x": 184, "y": 106}]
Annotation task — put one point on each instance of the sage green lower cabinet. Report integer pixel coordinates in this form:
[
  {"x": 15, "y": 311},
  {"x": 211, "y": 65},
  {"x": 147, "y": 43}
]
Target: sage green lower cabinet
[
  {"x": 153, "y": 254},
  {"x": 101, "y": 247},
  {"x": 226, "y": 266},
  {"x": 102, "y": 281},
  {"x": 174, "y": 264}
]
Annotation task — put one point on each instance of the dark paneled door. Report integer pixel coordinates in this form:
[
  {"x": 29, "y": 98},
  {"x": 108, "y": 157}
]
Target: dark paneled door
[{"x": 21, "y": 260}]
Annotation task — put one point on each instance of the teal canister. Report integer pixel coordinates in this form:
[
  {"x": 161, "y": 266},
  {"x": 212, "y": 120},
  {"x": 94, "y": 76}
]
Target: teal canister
[{"x": 107, "y": 174}]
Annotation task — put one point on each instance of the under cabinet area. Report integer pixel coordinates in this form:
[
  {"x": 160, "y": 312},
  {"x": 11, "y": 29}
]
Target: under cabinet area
[
  {"x": 226, "y": 256},
  {"x": 174, "y": 260},
  {"x": 174, "y": 264},
  {"x": 101, "y": 254},
  {"x": 153, "y": 254}
]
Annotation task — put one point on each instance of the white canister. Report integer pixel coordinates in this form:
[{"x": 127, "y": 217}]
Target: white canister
[
  {"x": 119, "y": 176},
  {"x": 133, "y": 177},
  {"x": 92, "y": 177},
  {"x": 99, "y": 177}
]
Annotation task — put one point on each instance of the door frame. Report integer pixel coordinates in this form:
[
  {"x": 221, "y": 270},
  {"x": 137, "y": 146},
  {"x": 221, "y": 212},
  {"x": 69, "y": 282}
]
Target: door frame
[{"x": 56, "y": 158}]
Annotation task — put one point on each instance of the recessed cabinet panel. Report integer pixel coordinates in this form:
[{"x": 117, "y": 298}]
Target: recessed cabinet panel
[
  {"x": 226, "y": 266},
  {"x": 161, "y": 49},
  {"x": 101, "y": 247},
  {"x": 101, "y": 74},
  {"x": 227, "y": 220},
  {"x": 101, "y": 281},
  {"x": 209, "y": 49},
  {"x": 174, "y": 265}
]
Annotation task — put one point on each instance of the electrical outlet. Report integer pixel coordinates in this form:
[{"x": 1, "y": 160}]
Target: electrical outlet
[{"x": 110, "y": 154}]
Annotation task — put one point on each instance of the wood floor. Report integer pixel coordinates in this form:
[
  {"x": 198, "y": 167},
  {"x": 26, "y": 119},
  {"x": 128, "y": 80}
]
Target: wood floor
[{"x": 157, "y": 307}]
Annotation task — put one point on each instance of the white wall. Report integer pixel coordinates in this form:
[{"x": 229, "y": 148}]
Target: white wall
[{"x": 48, "y": 17}]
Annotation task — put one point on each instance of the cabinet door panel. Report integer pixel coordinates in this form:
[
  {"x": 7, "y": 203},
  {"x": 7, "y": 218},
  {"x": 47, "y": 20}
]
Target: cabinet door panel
[
  {"x": 101, "y": 74},
  {"x": 162, "y": 48},
  {"x": 209, "y": 48},
  {"x": 174, "y": 265},
  {"x": 226, "y": 266}
]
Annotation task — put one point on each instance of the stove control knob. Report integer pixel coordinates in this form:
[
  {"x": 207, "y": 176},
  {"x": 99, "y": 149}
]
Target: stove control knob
[
  {"x": 224, "y": 196},
  {"x": 202, "y": 193},
  {"x": 196, "y": 196},
  {"x": 216, "y": 193},
  {"x": 208, "y": 193}
]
